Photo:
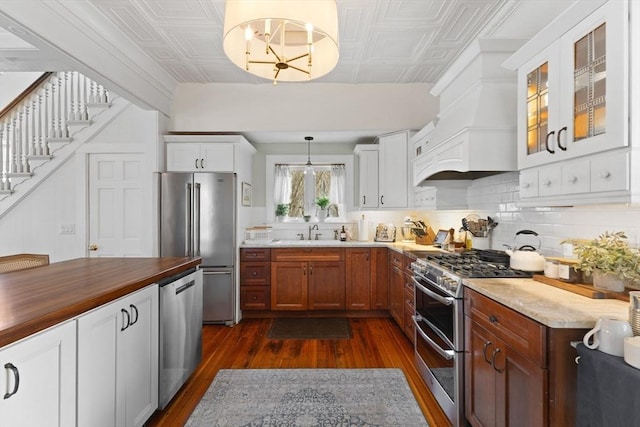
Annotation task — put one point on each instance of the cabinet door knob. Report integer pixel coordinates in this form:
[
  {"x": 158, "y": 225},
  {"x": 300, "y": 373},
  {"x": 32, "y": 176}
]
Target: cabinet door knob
[
  {"x": 382, "y": 200},
  {"x": 605, "y": 174},
  {"x": 573, "y": 179},
  {"x": 254, "y": 273},
  {"x": 16, "y": 378},
  {"x": 493, "y": 318},
  {"x": 526, "y": 185},
  {"x": 547, "y": 182}
]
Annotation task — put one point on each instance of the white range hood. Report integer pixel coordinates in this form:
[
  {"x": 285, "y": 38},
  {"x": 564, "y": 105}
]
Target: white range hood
[{"x": 475, "y": 134}]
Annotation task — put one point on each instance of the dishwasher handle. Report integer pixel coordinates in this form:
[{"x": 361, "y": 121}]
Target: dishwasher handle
[
  {"x": 168, "y": 280},
  {"x": 186, "y": 286}
]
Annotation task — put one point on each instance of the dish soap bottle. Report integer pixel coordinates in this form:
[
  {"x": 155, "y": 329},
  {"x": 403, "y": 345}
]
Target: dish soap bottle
[{"x": 343, "y": 235}]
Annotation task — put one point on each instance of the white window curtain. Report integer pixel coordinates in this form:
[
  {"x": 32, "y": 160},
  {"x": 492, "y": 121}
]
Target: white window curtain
[
  {"x": 338, "y": 190},
  {"x": 282, "y": 185}
]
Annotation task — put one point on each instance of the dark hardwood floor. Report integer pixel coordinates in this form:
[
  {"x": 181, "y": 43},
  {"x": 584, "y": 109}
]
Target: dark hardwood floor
[{"x": 375, "y": 343}]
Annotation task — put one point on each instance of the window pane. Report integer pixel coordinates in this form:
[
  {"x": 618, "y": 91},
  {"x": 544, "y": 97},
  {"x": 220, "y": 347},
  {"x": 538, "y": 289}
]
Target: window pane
[{"x": 322, "y": 189}]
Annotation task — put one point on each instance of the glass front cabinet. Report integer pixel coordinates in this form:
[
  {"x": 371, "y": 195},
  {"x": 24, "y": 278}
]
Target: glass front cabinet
[
  {"x": 573, "y": 95},
  {"x": 573, "y": 108}
]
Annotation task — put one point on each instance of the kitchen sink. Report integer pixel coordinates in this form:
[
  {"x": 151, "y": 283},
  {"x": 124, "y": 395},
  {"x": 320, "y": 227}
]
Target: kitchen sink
[{"x": 297, "y": 242}]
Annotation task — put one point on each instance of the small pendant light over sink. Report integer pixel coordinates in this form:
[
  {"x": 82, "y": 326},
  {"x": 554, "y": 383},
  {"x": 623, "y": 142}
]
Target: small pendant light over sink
[
  {"x": 309, "y": 166},
  {"x": 287, "y": 40}
]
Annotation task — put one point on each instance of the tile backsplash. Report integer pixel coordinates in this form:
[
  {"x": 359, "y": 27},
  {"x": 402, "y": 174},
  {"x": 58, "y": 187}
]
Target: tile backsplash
[{"x": 497, "y": 196}]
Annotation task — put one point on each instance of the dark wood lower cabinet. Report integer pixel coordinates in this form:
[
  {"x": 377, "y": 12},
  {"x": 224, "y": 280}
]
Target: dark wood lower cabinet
[
  {"x": 518, "y": 372},
  {"x": 358, "y": 279},
  {"x": 326, "y": 285},
  {"x": 396, "y": 294},
  {"x": 354, "y": 279},
  {"x": 289, "y": 287}
]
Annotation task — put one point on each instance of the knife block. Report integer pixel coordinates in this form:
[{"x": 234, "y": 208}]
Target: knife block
[{"x": 427, "y": 239}]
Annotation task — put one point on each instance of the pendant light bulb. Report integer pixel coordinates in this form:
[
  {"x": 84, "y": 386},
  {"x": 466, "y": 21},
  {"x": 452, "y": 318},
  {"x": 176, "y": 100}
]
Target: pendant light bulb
[{"x": 309, "y": 167}]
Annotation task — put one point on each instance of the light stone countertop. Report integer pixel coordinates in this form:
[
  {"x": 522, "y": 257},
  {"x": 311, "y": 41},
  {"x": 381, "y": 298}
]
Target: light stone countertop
[
  {"x": 548, "y": 305},
  {"x": 396, "y": 246}
]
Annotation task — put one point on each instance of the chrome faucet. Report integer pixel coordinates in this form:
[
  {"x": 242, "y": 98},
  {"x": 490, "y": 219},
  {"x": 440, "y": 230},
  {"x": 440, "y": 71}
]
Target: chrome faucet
[{"x": 315, "y": 227}]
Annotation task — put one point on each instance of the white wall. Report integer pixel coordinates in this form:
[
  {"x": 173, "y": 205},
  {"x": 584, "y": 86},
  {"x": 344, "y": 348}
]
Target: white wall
[
  {"x": 13, "y": 83},
  {"x": 301, "y": 107},
  {"x": 33, "y": 226}
]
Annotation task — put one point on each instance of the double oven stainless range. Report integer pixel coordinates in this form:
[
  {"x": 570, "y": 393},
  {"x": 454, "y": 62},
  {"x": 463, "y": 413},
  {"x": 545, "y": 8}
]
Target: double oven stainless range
[{"x": 439, "y": 321}]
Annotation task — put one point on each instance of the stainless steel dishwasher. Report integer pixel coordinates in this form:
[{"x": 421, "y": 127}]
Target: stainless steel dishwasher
[{"x": 180, "y": 332}]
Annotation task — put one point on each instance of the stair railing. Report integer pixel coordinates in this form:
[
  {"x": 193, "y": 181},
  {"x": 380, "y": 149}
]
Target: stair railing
[{"x": 40, "y": 117}]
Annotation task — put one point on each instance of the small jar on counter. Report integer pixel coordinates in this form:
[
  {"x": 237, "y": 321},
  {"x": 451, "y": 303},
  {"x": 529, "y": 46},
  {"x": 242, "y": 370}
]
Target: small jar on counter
[
  {"x": 551, "y": 269},
  {"x": 567, "y": 272}
]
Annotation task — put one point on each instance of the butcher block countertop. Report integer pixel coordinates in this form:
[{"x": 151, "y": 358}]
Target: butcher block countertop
[
  {"x": 548, "y": 305},
  {"x": 34, "y": 299}
]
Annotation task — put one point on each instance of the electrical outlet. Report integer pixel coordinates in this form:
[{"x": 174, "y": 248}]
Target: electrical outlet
[{"x": 67, "y": 229}]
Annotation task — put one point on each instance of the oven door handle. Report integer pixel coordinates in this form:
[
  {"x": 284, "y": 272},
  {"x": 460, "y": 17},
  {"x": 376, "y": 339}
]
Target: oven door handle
[
  {"x": 447, "y": 354},
  {"x": 442, "y": 300}
]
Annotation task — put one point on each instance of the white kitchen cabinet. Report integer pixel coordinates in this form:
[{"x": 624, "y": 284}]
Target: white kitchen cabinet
[
  {"x": 393, "y": 170},
  {"x": 444, "y": 194},
  {"x": 599, "y": 178},
  {"x": 207, "y": 153},
  {"x": 573, "y": 94},
  {"x": 45, "y": 364},
  {"x": 384, "y": 172},
  {"x": 118, "y": 361},
  {"x": 368, "y": 175},
  {"x": 193, "y": 157}
]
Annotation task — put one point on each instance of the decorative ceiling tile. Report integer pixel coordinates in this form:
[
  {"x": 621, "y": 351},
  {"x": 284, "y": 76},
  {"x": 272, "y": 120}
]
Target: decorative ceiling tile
[{"x": 392, "y": 41}]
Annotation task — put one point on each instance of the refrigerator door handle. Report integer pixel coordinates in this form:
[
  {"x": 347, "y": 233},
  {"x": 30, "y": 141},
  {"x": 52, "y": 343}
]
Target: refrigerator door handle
[
  {"x": 197, "y": 220},
  {"x": 189, "y": 223}
]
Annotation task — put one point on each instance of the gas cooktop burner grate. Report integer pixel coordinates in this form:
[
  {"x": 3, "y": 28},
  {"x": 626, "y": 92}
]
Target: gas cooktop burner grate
[{"x": 470, "y": 265}]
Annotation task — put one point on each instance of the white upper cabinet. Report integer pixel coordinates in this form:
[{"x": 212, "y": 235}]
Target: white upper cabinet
[
  {"x": 393, "y": 167},
  {"x": 368, "y": 175},
  {"x": 383, "y": 172},
  {"x": 577, "y": 84},
  {"x": 206, "y": 153},
  {"x": 190, "y": 157},
  {"x": 573, "y": 94}
]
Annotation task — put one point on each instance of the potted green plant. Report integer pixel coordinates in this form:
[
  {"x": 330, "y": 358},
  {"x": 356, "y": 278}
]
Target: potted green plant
[
  {"x": 613, "y": 264},
  {"x": 282, "y": 210},
  {"x": 323, "y": 203}
]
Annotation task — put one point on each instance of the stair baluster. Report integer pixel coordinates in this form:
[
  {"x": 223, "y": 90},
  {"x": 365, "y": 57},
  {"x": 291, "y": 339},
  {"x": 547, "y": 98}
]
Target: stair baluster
[{"x": 40, "y": 116}]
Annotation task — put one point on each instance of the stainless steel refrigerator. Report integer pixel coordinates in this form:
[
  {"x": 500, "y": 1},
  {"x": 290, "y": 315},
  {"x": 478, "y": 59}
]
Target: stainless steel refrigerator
[{"x": 197, "y": 218}]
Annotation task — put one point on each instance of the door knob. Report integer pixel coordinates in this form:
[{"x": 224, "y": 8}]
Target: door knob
[{"x": 93, "y": 247}]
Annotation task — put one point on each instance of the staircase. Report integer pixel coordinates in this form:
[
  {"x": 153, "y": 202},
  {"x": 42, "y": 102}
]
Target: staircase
[{"x": 43, "y": 127}]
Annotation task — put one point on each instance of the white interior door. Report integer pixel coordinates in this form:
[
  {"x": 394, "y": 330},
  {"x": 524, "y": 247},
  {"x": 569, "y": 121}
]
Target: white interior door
[{"x": 117, "y": 198}]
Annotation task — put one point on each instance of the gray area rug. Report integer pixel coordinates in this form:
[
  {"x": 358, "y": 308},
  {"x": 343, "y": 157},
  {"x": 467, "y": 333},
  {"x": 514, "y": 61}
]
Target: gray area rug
[
  {"x": 308, "y": 397},
  {"x": 310, "y": 328}
]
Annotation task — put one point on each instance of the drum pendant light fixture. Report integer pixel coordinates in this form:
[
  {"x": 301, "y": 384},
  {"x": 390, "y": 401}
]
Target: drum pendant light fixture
[{"x": 282, "y": 40}]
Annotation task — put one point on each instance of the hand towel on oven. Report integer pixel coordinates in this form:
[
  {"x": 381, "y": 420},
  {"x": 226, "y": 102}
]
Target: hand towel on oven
[{"x": 608, "y": 390}]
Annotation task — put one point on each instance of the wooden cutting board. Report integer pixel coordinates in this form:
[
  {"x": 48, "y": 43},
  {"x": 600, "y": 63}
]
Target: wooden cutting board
[{"x": 582, "y": 289}]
